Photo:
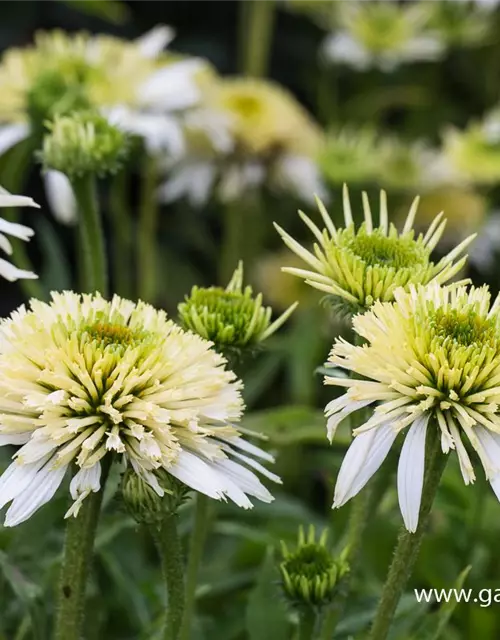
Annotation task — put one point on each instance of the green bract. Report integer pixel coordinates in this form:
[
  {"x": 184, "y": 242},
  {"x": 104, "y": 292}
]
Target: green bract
[
  {"x": 232, "y": 318},
  {"x": 84, "y": 143},
  {"x": 310, "y": 574}
]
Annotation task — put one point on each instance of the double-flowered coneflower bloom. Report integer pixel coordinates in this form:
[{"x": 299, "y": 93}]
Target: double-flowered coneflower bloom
[
  {"x": 358, "y": 266},
  {"x": 431, "y": 361},
  {"x": 82, "y": 378}
]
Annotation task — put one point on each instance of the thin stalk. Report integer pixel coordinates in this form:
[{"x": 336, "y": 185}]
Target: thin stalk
[
  {"x": 408, "y": 545},
  {"x": 91, "y": 235},
  {"x": 169, "y": 548},
  {"x": 307, "y": 624},
  {"x": 77, "y": 557},
  {"x": 148, "y": 227},
  {"x": 197, "y": 544},
  {"x": 121, "y": 219},
  {"x": 256, "y": 31}
]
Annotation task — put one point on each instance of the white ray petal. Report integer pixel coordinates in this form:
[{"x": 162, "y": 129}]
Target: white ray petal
[
  {"x": 411, "y": 473},
  {"x": 15, "y": 438},
  {"x": 60, "y": 197},
  {"x": 16, "y": 230},
  {"x": 11, "y": 134},
  {"x": 41, "y": 489},
  {"x": 153, "y": 42},
  {"x": 363, "y": 458},
  {"x": 247, "y": 481},
  {"x": 12, "y": 273}
]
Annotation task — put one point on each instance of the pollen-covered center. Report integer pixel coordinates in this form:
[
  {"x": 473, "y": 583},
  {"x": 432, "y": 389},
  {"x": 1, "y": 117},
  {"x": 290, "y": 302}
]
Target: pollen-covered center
[
  {"x": 376, "y": 249},
  {"x": 310, "y": 560}
]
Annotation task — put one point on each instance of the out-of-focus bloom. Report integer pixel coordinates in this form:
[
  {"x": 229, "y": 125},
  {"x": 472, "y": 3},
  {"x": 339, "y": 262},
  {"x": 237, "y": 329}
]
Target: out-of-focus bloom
[
  {"x": 249, "y": 134},
  {"x": 432, "y": 361},
  {"x": 462, "y": 23},
  {"x": 485, "y": 252},
  {"x": 473, "y": 155},
  {"x": 145, "y": 90},
  {"x": 465, "y": 210},
  {"x": 406, "y": 165},
  {"x": 83, "y": 143},
  {"x": 8, "y": 270},
  {"x": 232, "y": 318},
  {"x": 310, "y": 574},
  {"x": 350, "y": 156},
  {"x": 82, "y": 378},
  {"x": 383, "y": 35},
  {"x": 358, "y": 267}
]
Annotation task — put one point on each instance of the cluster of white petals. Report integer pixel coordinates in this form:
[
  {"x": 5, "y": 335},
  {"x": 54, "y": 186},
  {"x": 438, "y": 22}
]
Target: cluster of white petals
[
  {"x": 7, "y": 269},
  {"x": 431, "y": 361},
  {"x": 82, "y": 378}
]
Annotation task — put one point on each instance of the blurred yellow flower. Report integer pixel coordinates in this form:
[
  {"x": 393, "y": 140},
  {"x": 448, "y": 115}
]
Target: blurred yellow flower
[{"x": 473, "y": 155}]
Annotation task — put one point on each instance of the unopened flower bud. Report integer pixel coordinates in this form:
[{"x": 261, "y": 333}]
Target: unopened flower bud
[{"x": 310, "y": 574}]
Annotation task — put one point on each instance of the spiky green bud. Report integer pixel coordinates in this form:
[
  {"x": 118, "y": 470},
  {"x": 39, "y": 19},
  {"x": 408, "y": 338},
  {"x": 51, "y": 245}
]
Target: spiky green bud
[
  {"x": 310, "y": 574},
  {"x": 145, "y": 504},
  {"x": 84, "y": 143},
  {"x": 232, "y": 318}
]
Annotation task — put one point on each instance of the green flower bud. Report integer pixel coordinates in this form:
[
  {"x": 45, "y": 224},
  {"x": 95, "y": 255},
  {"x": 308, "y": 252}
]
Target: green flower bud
[
  {"x": 310, "y": 574},
  {"x": 232, "y": 318},
  {"x": 84, "y": 143},
  {"x": 144, "y": 504}
]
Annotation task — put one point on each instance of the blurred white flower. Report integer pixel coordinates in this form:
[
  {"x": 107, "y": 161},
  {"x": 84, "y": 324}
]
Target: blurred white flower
[
  {"x": 8, "y": 270},
  {"x": 485, "y": 251},
  {"x": 383, "y": 35}
]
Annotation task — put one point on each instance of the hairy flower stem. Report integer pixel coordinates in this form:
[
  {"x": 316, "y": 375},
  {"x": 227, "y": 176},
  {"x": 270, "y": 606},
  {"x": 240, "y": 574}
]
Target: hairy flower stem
[
  {"x": 408, "y": 545},
  {"x": 121, "y": 220},
  {"x": 91, "y": 235},
  {"x": 307, "y": 624},
  {"x": 148, "y": 227},
  {"x": 77, "y": 557},
  {"x": 197, "y": 544},
  {"x": 256, "y": 32},
  {"x": 169, "y": 548}
]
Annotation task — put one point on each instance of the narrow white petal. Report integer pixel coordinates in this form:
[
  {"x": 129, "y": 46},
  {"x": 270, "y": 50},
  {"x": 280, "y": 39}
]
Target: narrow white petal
[
  {"x": 335, "y": 419},
  {"x": 16, "y": 478},
  {"x": 16, "y": 230},
  {"x": 9, "y": 200},
  {"x": 172, "y": 87},
  {"x": 152, "y": 43},
  {"x": 60, "y": 197},
  {"x": 362, "y": 460},
  {"x": 35, "y": 449},
  {"x": 86, "y": 479},
  {"x": 11, "y": 134},
  {"x": 194, "y": 473},
  {"x": 411, "y": 473},
  {"x": 39, "y": 492},
  {"x": 12, "y": 273},
  {"x": 15, "y": 438},
  {"x": 247, "y": 481},
  {"x": 495, "y": 485}
]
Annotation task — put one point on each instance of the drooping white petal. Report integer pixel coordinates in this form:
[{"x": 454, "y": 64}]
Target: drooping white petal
[
  {"x": 60, "y": 197},
  {"x": 15, "y": 229},
  {"x": 9, "y": 200},
  {"x": 41, "y": 489},
  {"x": 16, "y": 478},
  {"x": 152, "y": 43},
  {"x": 341, "y": 47},
  {"x": 363, "y": 458},
  {"x": 411, "y": 473},
  {"x": 11, "y": 134},
  {"x": 247, "y": 481},
  {"x": 335, "y": 419},
  {"x": 15, "y": 438},
  {"x": 84, "y": 482},
  {"x": 12, "y": 273}
]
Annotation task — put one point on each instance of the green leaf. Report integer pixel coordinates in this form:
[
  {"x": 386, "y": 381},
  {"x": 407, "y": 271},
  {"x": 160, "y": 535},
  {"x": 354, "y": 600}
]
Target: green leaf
[
  {"x": 291, "y": 425},
  {"x": 266, "y": 615},
  {"x": 108, "y": 10}
]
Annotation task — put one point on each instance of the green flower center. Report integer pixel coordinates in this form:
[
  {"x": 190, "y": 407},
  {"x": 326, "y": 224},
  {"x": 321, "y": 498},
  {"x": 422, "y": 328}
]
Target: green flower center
[
  {"x": 57, "y": 92},
  {"x": 246, "y": 106},
  {"x": 376, "y": 249},
  {"x": 309, "y": 561},
  {"x": 108, "y": 334},
  {"x": 381, "y": 28},
  {"x": 465, "y": 327}
]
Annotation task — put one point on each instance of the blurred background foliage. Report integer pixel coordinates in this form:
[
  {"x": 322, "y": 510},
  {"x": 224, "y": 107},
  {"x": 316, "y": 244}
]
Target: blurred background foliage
[{"x": 384, "y": 125}]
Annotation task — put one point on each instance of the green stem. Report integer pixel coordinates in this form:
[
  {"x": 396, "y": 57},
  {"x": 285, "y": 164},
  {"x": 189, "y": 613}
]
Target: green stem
[
  {"x": 256, "y": 30},
  {"x": 148, "y": 227},
  {"x": 408, "y": 545},
  {"x": 91, "y": 235},
  {"x": 169, "y": 549},
  {"x": 307, "y": 624},
  {"x": 121, "y": 219},
  {"x": 197, "y": 543},
  {"x": 77, "y": 557}
]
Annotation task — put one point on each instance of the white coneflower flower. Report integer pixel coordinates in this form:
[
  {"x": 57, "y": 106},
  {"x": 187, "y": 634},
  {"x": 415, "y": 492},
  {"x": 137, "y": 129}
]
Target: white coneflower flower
[
  {"x": 359, "y": 266},
  {"x": 432, "y": 361},
  {"x": 250, "y": 133},
  {"x": 8, "y": 270},
  {"x": 82, "y": 378},
  {"x": 384, "y": 35},
  {"x": 136, "y": 84}
]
